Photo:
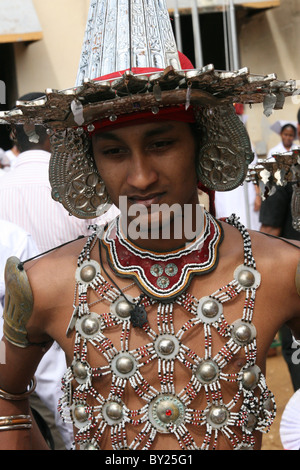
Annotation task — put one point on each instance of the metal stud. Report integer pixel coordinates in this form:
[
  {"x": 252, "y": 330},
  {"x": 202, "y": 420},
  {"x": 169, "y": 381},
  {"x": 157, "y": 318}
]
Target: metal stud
[
  {"x": 209, "y": 310},
  {"x": 80, "y": 371},
  {"x": 207, "y": 371},
  {"x": 121, "y": 308},
  {"x": 113, "y": 412},
  {"x": 217, "y": 416},
  {"x": 167, "y": 346},
  {"x": 250, "y": 377},
  {"x": 247, "y": 277},
  {"x": 87, "y": 271},
  {"x": 90, "y": 446},
  {"x": 243, "y": 332},
  {"x": 124, "y": 365},
  {"x": 166, "y": 411},
  {"x": 80, "y": 414},
  {"x": 251, "y": 422},
  {"x": 89, "y": 325}
]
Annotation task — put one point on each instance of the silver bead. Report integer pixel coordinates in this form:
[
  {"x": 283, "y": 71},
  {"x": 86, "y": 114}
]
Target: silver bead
[
  {"x": 166, "y": 346},
  {"x": 246, "y": 278},
  {"x": 80, "y": 370},
  {"x": 207, "y": 371},
  {"x": 217, "y": 416},
  {"x": 210, "y": 308},
  {"x": 124, "y": 364},
  {"x": 114, "y": 410},
  {"x": 123, "y": 309},
  {"x": 80, "y": 413},
  {"x": 90, "y": 326},
  {"x": 88, "y": 273},
  {"x": 250, "y": 377}
]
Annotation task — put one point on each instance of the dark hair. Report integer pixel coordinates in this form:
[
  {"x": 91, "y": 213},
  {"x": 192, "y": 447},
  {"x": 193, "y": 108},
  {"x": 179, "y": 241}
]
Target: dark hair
[
  {"x": 22, "y": 140},
  {"x": 298, "y": 116},
  {"x": 291, "y": 126}
]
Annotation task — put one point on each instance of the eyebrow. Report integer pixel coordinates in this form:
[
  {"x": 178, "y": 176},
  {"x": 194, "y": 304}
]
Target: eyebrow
[{"x": 150, "y": 133}]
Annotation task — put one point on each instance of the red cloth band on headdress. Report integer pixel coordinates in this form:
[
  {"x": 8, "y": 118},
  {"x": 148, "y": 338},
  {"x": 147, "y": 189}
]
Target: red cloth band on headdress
[{"x": 173, "y": 113}]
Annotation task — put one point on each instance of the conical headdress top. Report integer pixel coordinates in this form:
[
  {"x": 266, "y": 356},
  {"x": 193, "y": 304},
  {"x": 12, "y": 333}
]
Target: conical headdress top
[{"x": 125, "y": 34}]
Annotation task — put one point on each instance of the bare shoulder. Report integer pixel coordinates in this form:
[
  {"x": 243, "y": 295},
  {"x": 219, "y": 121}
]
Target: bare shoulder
[
  {"x": 277, "y": 259},
  {"x": 52, "y": 280}
]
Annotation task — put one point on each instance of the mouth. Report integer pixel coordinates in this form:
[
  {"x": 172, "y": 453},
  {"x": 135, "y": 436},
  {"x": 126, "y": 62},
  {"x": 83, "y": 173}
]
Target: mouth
[{"x": 145, "y": 200}]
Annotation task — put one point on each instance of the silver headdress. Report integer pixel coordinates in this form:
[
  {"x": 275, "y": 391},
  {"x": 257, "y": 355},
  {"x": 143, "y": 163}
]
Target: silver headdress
[{"x": 133, "y": 41}]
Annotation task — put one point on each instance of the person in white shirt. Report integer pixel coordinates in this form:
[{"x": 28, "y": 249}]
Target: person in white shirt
[
  {"x": 25, "y": 194},
  {"x": 288, "y": 133},
  {"x": 25, "y": 199}
]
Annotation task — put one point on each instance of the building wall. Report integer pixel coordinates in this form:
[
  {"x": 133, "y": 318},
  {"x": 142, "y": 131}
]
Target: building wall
[
  {"x": 268, "y": 43},
  {"x": 53, "y": 61}
]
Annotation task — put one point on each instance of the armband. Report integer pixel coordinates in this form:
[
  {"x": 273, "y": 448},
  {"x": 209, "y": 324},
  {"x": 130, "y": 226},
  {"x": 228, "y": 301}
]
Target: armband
[
  {"x": 18, "y": 303},
  {"x": 297, "y": 278}
]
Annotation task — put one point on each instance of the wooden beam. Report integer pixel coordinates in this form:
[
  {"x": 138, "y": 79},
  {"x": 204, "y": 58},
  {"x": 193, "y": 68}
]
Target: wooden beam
[{"x": 26, "y": 37}]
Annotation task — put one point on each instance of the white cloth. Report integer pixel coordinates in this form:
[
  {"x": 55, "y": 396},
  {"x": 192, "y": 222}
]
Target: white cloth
[
  {"x": 239, "y": 201},
  {"x": 25, "y": 199},
  {"x": 14, "y": 241},
  {"x": 279, "y": 148},
  {"x": 12, "y": 157}
]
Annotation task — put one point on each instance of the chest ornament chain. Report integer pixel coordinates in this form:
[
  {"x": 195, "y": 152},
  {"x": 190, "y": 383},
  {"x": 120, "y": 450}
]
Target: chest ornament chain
[{"x": 165, "y": 409}]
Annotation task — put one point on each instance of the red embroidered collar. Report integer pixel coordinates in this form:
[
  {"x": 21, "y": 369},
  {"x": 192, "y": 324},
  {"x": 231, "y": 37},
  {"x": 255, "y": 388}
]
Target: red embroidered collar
[{"x": 163, "y": 276}]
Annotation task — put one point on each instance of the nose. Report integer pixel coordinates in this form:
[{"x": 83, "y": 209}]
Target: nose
[{"x": 141, "y": 173}]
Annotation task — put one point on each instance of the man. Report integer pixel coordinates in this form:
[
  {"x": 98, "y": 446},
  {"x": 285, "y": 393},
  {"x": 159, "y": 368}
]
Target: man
[
  {"x": 167, "y": 328},
  {"x": 25, "y": 200},
  {"x": 25, "y": 193}
]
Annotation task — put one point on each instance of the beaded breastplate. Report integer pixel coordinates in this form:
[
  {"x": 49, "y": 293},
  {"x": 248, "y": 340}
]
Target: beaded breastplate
[{"x": 165, "y": 410}]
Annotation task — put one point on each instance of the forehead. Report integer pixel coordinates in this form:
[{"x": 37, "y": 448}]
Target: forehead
[{"x": 140, "y": 129}]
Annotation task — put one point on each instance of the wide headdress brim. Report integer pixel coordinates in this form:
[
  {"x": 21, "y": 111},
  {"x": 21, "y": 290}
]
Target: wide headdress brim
[{"x": 133, "y": 92}]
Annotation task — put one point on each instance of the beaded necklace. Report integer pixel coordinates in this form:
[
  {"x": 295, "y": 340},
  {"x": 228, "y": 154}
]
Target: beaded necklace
[{"x": 165, "y": 410}]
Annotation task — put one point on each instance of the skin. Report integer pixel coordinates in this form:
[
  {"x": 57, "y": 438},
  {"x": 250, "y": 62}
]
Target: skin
[
  {"x": 288, "y": 135},
  {"x": 139, "y": 171}
]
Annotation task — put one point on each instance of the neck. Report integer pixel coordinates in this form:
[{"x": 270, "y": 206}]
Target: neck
[{"x": 167, "y": 235}]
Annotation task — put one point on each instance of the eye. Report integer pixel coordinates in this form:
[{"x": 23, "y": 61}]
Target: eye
[
  {"x": 161, "y": 144},
  {"x": 114, "y": 151}
]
